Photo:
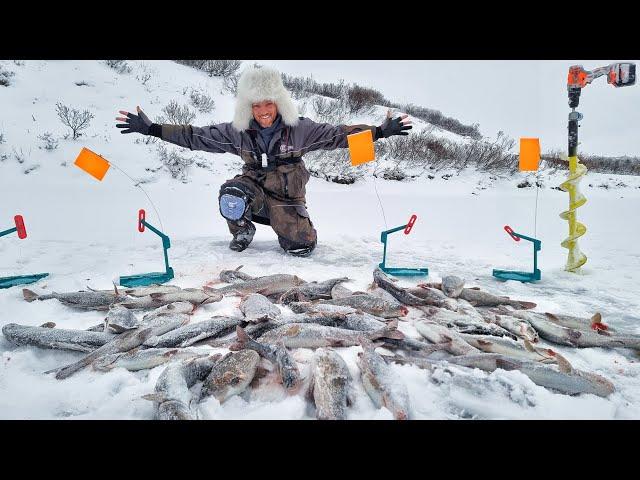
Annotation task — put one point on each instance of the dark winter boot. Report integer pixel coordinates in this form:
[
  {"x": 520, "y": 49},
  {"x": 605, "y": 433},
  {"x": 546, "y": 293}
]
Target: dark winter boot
[
  {"x": 301, "y": 252},
  {"x": 243, "y": 236}
]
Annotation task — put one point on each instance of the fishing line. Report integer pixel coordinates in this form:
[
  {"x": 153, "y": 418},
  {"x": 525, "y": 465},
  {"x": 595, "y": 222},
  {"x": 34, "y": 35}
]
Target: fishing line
[
  {"x": 137, "y": 184},
  {"x": 380, "y": 202},
  {"x": 535, "y": 215}
]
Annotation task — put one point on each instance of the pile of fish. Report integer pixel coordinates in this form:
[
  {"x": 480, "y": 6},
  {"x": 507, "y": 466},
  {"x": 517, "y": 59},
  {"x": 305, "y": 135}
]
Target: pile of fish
[{"x": 468, "y": 327}]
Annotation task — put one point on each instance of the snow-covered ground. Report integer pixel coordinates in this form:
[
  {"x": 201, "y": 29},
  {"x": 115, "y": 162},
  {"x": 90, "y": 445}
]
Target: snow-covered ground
[{"x": 84, "y": 233}]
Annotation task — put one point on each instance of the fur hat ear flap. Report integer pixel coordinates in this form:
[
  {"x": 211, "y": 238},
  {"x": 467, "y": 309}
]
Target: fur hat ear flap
[{"x": 257, "y": 85}]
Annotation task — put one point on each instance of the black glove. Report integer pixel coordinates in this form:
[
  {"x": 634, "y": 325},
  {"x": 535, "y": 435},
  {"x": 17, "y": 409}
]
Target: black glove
[
  {"x": 392, "y": 126},
  {"x": 138, "y": 124}
]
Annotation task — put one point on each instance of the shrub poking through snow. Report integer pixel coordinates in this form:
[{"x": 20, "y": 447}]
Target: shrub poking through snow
[
  {"x": 74, "y": 119},
  {"x": 176, "y": 114},
  {"x": 214, "y": 68},
  {"x": 361, "y": 100},
  {"x": 201, "y": 101},
  {"x": 120, "y": 66},
  {"x": 5, "y": 77},
  {"x": 230, "y": 84},
  {"x": 48, "y": 141},
  {"x": 176, "y": 163}
]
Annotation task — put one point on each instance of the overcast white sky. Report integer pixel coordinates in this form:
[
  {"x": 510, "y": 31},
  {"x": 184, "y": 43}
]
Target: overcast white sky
[{"x": 522, "y": 98}]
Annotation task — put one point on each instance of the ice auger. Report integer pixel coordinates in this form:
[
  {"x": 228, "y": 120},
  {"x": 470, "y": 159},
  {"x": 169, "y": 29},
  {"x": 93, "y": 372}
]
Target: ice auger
[{"x": 619, "y": 75}]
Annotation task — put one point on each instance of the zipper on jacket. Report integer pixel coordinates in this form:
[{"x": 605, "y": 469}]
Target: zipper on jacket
[{"x": 286, "y": 185}]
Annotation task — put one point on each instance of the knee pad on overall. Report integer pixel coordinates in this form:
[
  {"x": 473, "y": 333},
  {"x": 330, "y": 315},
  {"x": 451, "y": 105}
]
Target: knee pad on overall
[{"x": 234, "y": 202}]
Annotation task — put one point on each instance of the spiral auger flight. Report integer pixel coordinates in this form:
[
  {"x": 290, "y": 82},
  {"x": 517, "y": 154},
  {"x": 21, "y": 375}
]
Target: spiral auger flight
[
  {"x": 619, "y": 75},
  {"x": 576, "y": 229}
]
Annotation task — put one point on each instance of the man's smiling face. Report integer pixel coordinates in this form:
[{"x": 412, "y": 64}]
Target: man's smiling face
[{"x": 265, "y": 113}]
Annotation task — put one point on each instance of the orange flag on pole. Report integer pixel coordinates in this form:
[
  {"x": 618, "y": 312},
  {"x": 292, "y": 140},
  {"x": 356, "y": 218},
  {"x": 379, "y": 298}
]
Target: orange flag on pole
[
  {"x": 529, "y": 154},
  {"x": 361, "y": 147},
  {"x": 92, "y": 163}
]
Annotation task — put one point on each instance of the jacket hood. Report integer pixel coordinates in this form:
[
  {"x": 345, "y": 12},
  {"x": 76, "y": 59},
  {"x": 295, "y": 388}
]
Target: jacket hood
[{"x": 257, "y": 85}]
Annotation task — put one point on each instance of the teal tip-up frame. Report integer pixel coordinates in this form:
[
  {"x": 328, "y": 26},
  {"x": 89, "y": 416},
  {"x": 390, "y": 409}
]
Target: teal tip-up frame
[
  {"x": 154, "y": 278},
  {"x": 8, "y": 282},
  {"x": 399, "y": 271},
  {"x": 522, "y": 276}
]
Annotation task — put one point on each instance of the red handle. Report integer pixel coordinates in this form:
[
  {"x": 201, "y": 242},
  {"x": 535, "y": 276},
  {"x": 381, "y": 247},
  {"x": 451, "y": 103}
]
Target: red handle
[
  {"x": 409, "y": 226},
  {"x": 22, "y": 231},
  {"x": 141, "y": 217},
  {"x": 509, "y": 230}
]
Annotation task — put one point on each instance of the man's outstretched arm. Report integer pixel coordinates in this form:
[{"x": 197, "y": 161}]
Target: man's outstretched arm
[
  {"x": 221, "y": 138},
  {"x": 323, "y": 136}
]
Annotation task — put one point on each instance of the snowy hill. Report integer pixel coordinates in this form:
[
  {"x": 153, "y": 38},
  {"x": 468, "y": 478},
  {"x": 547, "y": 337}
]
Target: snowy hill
[{"x": 84, "y": 233}]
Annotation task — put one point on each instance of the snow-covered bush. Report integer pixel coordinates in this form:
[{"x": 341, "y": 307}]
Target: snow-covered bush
[
  {"x": 5, "y": 77},
  {"x": 333, "y": 166},
  {"x": 74, "y": 119},
  {"x": 3, "y": 156},
  {"x": 120, "y": 66},
  {"x": 176, "y": 114},
  {"x": 201, "y": 101},
  {"x": 624, "y": 165},
  {"x": 48, "y": 141},
  {"x": 215, "y": 68},
  {"x": 335, "y": 112},
  {"x": 230, "y": 84},
  {"x": 435, "y": 117},
  {"x": 30, "y": 169},
  {"x": 176, "y": 163},
  {"x": 361, "y": 100},
  {"x": 19, "y": 155}
]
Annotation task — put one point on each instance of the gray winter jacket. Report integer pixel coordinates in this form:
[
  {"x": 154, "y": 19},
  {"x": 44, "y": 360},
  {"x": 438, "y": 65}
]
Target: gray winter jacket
[
  {"x": 284, "y": 152},
  {"x": 288, "y": 142}
]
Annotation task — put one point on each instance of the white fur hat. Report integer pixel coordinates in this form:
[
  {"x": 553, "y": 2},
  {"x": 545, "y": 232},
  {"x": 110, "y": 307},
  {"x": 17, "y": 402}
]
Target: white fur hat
[{"x": 257, "y": 85}]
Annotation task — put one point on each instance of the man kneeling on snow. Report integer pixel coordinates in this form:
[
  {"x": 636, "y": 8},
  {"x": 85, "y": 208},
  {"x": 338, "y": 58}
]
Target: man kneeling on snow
[{"x": 268, "y": 135}]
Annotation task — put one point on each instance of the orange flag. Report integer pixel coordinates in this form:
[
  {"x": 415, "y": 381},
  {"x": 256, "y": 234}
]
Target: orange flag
[
  {"x": 529, "y": 154},
  {"x": 361, "y": 147},
  {"x": 92, "y": 163}
]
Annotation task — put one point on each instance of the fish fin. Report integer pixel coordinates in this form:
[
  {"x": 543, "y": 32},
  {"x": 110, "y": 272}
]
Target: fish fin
[
  {"x": 485, "y": 343},
  {"x": 527, "y": 305},
  {"x": 170, "y": 353},
  {"x": 154, "y": 397},
  {"x": 563, "y": 364},
  {"x": 261, "y": 372},
  {"x": 29, "y": 295},
  {"x": 573, "y": 334},
  {"x": 506, "y": 364},
  {"x": 529, "y": 346},
  {"x": 241, "y": 341},
  {"x": 598, "y": 326},
  {"x": 208, "y": 289},
  {"x": 365, "y": 343},
  {"x": 337, "y": 342},
  {"x": 115, "y": 288},
  {"x": 475, "y": 288},
  {"x": 551, "y": 317}
]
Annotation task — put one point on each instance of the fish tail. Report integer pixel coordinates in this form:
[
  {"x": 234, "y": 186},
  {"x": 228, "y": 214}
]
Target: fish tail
[
  {"x": 29, "y": 295},
  {"x": 242, "y": 340},
  {"x": 523, "y": 305},
  {"x": 390, "y": 331},
  {"x": 69, "y": 370}
]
